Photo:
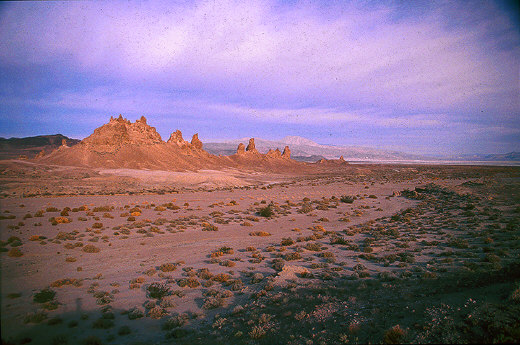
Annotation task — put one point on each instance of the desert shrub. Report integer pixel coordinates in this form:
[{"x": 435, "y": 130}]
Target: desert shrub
[
  {"x": 44, "y": 295},
  {"x": 228, "y": 263},
  {"x": 190, "y": 282},
  {"x": 266, "y": 212},
  {"x": 257, "y": 278},
  {"x": 175, "y": 322},
  {"x": 168, "y": 267},
  {"x": 124, "y": 330},
  {"x": 287, "y": 241},
  {"x": 92, "y": 340},
  {"x": 292, "y": 256},
  {"x": 213, "y": 302},
  {"x": 394, "y": 335},
  {"x": 103, "y": 209},
  {"x": 221, "y": 277},
  {"x": 14, "y": 253},
  {"x": 347, "y": 199},
  {"x": 277, "y": 264},
  {"x": 66, "y": 281},
  {"x": 257, "y": 332},
  {"x": 306, "y": 208},
  {"x": 315, "y": 246},
  {"x": 209, "y": 227},
  {"x": 259, "y": 233},
  {"x": 89, "y": 248},
  {"x": 135, "y": 313},
  {"x": 339, "y": 240},
  {"x": 492, "y": 258},
  {"x": 59, "y": 220},
  {"x": 458, "y": 243},
  {"x": 158, "y": 290},
  {"x": 156, "y": 312},
  {"x": 97, "y": 225},
  {"x": 35, "y": 317},
  {"x": 103, "y": 323},
  {"x": 51, "y": 209},
  {"x": 372, "y": 196}
]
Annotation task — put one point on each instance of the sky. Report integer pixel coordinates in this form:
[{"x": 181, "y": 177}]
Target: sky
[{"x": 418, "y": 77}]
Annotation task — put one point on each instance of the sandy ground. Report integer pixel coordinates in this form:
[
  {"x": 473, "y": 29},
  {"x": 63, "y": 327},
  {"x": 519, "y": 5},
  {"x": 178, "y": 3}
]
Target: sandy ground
[{"x": 220, "y": 212}]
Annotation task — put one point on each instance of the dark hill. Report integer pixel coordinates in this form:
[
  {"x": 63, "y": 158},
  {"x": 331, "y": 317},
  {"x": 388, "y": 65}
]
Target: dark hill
[{"x": 30, "y": 146}]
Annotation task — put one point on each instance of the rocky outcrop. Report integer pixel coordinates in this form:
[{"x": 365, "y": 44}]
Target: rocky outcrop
[
  {"x": 286, "y": 153},
  {"x": 251, "y": 146},
  {"x": 177, "y": 139},
  {"x": 274, "y": 153},
  {"x": 195, "y": 142},
  {"x": 64, "y": 142},
  {"x": 120, "y": 131},
  {"x": 241, "y": 149}
]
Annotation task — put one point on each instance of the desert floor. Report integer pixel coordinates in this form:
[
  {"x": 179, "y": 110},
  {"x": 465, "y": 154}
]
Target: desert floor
[{"x": 363, "y": 253}]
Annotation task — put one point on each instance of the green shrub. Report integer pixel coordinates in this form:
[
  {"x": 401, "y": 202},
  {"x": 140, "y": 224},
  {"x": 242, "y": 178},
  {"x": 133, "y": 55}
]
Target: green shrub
[{"x": 44, "y": 295}]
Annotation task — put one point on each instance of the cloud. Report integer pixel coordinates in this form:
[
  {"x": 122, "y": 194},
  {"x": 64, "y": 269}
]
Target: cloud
[
  {"x": 264, "y": 50},
  {"x": 448, "y": 70}
]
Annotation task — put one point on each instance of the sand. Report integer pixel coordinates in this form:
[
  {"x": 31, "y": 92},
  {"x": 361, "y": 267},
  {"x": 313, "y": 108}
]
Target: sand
[{"x": 174, "y": 226}]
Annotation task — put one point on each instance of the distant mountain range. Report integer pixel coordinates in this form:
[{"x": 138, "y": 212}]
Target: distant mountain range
[
  {"x": 307, "y": 150},
  {"x": 302, "y": 149}
]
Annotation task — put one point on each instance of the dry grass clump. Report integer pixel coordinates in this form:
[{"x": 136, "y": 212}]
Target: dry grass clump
[
  {"x": 67, "y": 281},
  {"x": 394, "y": 335},
  {"x": 59, "y": 220},
  {"x": 90, "y": 248},
  {"x": 221, "y": 277},
  {"x": 348, "y": 199},
  {"x": 305, "y": 208},
  {"x": 228, "y": 263},
  {"x": 44, "y": 296},
  {"x": 14, "y": 253},
  {"x": 190, "y": 282},
  {"x": 213, "y": 302},
  {"x": 135, "y": 313},
  {"x": 287, "y": 241},
  {"x": 292, "y": 256},
  {"x": 103, "y": 209},
  {"x": 168, "y": 267},
  {"x": 37, "y": 238},
  {"x": 136, "y": 282},
  {"x": 175, "y": 321},
  {"x": 37, "y": 317},
  {"x": 158, "y": 290},
  {"x": 209, "y": 227},
  {"x": 259, "y": 233},
  {"x": 266, "y": 212},
  {"x": 315, "y": 246}
]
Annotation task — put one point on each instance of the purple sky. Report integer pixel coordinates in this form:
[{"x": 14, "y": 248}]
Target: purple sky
[{"x": 439, "y": 77}]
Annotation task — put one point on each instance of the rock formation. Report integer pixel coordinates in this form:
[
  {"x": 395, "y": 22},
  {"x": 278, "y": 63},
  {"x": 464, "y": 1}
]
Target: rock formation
[
  {"x": 274, "y": 153},
  {"x": 64, "y": 142},
  {"x": 119, "y": 132},
  {"x": 251, "y": 146},
  {"x": 286, "y": 153},
  {"x": 123, "y": 144},
  {"x": 195, "y": 142},
  {"x": 176, "y": 138},
  {"x": 241, "y": 149}
]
